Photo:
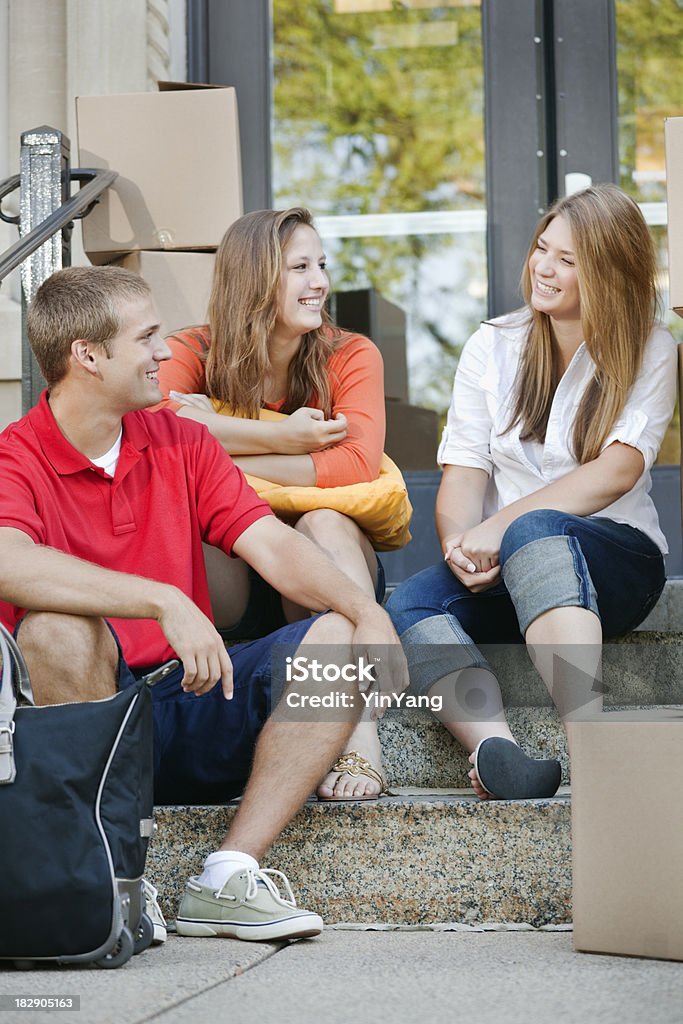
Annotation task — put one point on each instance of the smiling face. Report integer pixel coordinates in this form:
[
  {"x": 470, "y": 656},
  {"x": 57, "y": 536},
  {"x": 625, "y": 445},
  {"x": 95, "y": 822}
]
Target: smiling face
[
  {"x": 552, "y": 269},
  {"x": 304, "y": 285},
  {"x": 129, "y": 374}
]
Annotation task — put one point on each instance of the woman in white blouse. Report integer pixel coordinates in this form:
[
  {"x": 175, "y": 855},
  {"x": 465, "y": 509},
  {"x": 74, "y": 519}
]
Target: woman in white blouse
[{"x": 544, "y": 515}]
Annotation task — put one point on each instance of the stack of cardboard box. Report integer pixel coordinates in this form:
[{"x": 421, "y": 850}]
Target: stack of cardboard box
[{"x": 179, "y": 188}]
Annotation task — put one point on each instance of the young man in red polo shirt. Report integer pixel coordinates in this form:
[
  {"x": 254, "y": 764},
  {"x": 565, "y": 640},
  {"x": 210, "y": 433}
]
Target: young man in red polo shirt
[{"x": 103, "y": 511}]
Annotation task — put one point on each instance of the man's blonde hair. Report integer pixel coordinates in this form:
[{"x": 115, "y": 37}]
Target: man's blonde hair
[{"x": 78, "y": 303}]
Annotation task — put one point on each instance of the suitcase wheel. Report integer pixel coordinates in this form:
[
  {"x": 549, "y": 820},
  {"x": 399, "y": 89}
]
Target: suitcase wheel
[
  {"x": 144, "y": 934},
  {"x": 121, "y": 953}
]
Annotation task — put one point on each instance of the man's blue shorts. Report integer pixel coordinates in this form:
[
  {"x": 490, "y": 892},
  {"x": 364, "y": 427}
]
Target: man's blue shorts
[{"x": 203, "y": 746}]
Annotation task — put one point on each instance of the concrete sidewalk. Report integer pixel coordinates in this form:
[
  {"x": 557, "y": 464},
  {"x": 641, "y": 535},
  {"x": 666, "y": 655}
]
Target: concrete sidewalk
[{"x": 360, "y": 977}]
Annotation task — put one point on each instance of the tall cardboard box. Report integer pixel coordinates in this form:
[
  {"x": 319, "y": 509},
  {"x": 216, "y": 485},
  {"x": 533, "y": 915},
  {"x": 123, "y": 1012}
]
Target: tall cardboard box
[
  {"x": 412, "y": 435},
  {"x": 673, "y": 138},
  {"x": 177, "y": 155},
  {"x": 180, "y": 283},
  {"x": 369, "y": 313},
  {"x": 627, "y": 833}
]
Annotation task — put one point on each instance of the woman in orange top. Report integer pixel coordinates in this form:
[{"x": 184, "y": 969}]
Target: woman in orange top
[{"x": 270, "y": 343}]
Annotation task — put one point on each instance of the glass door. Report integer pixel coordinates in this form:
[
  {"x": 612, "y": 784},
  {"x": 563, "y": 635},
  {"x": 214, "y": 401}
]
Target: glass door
[
  {"x": 649, "y": 77},
  {"x": 378, "y": 127}
]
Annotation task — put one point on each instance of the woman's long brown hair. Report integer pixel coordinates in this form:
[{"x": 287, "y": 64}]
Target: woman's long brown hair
[
  {"x": 243, "y": 310},
  {"x": 616, "y": 268}
]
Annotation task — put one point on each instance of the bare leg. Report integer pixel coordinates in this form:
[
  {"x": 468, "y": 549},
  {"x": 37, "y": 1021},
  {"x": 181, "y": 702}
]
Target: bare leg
[
  {"x": 565, "y": 645},
  {"x": 279, "y": 785},
  {"x": 90, "y": 671},
  {"x": 345, "y": 544},
  {"x": 472, "y": 710},
  {"x": 228, "y": 586},
  {"x": 351, "y": 551}
]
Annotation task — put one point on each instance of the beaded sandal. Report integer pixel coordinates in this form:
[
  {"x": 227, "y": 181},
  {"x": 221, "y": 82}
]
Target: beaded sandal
[{"x": 353, "y": 763}]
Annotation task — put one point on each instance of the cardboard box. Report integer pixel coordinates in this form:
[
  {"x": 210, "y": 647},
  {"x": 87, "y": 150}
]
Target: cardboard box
[
  {"x": 178, "y": 158},
  {"x": 369, "y": 313},
  {"x": 673, "y": 137},
  {"x": 180, "y": 283},
  {"x": 627, "y": 840},
  {"x": 412, "y": 436}
]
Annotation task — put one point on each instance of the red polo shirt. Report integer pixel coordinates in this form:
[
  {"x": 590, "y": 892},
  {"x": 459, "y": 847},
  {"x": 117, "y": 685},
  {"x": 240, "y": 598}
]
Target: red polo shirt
[{"x": 174, "y": 487}]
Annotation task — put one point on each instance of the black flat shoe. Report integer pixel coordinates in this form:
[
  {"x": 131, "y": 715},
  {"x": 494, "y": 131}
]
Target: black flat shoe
[{"x": 507, "y": 773}]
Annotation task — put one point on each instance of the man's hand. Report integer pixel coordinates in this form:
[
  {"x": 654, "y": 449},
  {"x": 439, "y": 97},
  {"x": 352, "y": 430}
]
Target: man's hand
[
  {"x": 375, "y": 639},
  {"x": 197, "y": 644},
  {"x": 307, "y": 430}
]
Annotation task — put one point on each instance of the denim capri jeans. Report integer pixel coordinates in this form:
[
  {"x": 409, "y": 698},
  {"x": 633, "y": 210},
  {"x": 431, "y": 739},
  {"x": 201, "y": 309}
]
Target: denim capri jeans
[{"x": 548, "y": 559}]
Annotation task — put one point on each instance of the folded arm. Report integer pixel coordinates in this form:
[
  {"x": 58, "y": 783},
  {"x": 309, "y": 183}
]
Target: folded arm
[
  {"x": 183, "y": 380},
  {"x": 357, "y": 378},
  {"x": 345, "y": 449},
  {"x": 306, "y": 430},
  {"x": 279, "y": 469}
]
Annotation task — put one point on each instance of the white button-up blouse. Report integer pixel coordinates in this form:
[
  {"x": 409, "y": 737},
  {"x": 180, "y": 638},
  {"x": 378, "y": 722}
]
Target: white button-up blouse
[{"x": 480, "y": 410}]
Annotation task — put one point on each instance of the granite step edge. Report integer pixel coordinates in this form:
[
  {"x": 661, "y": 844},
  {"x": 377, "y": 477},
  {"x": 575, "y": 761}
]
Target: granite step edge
[{"x": 413, "y": 858}]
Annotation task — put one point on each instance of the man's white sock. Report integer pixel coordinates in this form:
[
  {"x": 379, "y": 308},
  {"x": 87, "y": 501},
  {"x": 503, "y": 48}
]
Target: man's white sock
[{"x": 219, "y": 866}]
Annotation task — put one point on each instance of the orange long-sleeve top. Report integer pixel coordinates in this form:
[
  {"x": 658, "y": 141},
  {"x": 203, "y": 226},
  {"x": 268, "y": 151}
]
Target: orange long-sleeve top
[{"x": 356, "y": 375}]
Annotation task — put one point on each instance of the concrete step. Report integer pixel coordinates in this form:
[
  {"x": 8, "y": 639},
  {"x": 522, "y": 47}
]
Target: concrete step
[
  {"x": 418, "y": 751},
  {"x": 431, "y": 852},
  {"x": 642, "y": 668},
  {"x": 413, "y": 858},
  {"x": 645, "y": 669},
  {"x": 667, "y": 614}
]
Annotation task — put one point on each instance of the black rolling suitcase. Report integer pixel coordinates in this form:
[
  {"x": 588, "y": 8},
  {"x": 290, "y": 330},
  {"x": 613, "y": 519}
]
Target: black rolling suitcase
[{"x": 76, "y": 809}]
